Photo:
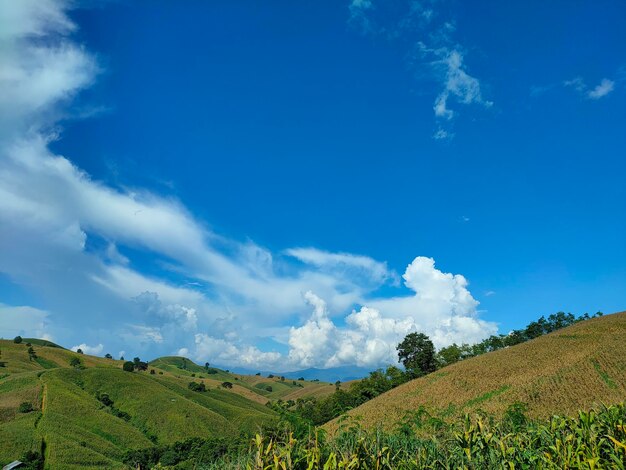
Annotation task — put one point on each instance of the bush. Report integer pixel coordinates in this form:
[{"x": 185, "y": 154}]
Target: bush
[
  {"x": 169, "y": 457},
  {"x": 25, "y": 407},
  {"x": 197, "y": 387},
  {"x": 76, "y": 363},
  {"x": 104, "y": 399},
  {"x": 128, "y": 366},
  {"x": 32, "y": 460},
  {"x": 17, "y": 339},
  {"x": 227, "y": 385}
]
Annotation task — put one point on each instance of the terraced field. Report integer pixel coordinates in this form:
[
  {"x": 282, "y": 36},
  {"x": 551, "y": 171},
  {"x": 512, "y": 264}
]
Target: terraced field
[{"x": 568, "y": 370}]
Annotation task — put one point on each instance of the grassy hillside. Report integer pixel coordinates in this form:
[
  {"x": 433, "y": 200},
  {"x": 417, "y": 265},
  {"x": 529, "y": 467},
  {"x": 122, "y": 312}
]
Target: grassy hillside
[
  {"x": 571, "y": 369},
  {"x": 254, "y": 387},
  {"x": 77, "y": 429}
]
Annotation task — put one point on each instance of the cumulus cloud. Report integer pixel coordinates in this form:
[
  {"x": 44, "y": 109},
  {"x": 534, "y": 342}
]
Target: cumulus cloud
[
  {"x": 92, "y": 350},
  {"x": 440, "y": 306}
]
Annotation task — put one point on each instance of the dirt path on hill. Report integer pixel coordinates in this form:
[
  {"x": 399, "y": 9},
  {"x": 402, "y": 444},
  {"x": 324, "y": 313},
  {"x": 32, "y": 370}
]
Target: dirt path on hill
[{"x": 44, "y": 397}]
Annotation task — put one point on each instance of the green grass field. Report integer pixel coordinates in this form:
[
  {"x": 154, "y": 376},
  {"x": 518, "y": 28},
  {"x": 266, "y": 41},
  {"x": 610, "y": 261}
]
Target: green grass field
[{"x": 76, "y": 430}]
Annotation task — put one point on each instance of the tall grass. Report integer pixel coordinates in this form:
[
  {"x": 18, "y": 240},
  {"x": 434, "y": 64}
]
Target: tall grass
[{"x": 592, "y": 440}]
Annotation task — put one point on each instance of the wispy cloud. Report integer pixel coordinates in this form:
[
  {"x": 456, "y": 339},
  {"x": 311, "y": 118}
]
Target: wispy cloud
[
  {"x": 433, "y": 49},
  {"x": 457, "y": 83},
  {"x": 605, "y": 87},
  {"x": 602, "y": 89}
]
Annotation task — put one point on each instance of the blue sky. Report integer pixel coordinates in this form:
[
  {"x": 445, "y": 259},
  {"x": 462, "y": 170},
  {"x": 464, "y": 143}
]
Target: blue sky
[{"x": 300, "y": 184}]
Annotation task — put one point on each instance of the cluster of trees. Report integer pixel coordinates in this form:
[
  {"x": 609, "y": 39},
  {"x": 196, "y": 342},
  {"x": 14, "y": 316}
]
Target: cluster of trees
[
  {"x": 419, "y": 357},
  {"x": 194, "y": 450},
  {"x": 135, "y": 364},
  {"x": 319, "y": 411},
  {"x": 32, "y": 355},
  {"x": 197, "y": 386},
  {"x": 556, "y": 321}
]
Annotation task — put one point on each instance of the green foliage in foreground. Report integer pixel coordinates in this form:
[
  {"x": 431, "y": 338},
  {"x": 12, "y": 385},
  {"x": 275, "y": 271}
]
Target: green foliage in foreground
[{"x": 594, "y": 439}]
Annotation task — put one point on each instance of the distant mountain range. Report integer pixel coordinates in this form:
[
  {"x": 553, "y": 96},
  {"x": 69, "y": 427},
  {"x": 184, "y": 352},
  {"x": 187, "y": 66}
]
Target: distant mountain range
[{"x": 332, "y": 374}]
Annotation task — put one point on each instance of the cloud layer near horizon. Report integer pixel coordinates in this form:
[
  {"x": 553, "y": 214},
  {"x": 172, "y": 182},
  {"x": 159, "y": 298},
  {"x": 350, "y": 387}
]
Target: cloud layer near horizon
[{"x": 80, "y": 247}]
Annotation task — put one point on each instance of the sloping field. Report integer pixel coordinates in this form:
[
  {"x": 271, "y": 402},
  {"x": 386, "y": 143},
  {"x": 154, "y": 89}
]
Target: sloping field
[
  {"x": 571, "y": 369},
  {"x": 254, "y": 387},
  {"x": 76, "y": 429}
]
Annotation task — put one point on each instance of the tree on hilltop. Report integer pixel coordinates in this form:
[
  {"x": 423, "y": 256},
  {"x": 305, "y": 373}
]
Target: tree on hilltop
[{"x": 417, "y": 353}]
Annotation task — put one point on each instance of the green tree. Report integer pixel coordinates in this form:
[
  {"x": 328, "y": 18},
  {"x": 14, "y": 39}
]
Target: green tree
[
  {"x": 417, "y": 353},
  {"x": 449, "y": 355},
  {"x": 79, "y": 351},
  {"x": 17, "y": 339},
  {"x": 108, "y": 356},
  {"x": 128, "y": 366}
]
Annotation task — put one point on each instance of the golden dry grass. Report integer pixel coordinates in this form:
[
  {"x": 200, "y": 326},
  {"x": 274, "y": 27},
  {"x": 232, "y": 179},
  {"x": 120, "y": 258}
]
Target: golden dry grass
[{"x": 571, "y": 369}]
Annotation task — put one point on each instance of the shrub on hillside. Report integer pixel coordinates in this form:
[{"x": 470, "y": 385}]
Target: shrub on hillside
[
  {"x": 227, "y": 385},
  {"x": 25, "y": 407},
  {"x": 76, "y": 363},
  {"x": 197, "y": 386},
  {"x": 17, "y": 339},
  {"x": 128, "y": 366}
]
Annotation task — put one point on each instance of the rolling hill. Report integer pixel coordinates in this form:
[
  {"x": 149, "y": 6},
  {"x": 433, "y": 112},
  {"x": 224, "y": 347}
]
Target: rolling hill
[
  {"x": 571, "y": 369},
  {"x": 75, "y": 426}
]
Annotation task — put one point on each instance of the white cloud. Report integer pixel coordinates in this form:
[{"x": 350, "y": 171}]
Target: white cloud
[
  {"x": 457, "y": 83},
  {"x": 577, "y": 83},
  {"x": 605, "y": 87},
  {"x": 359, "y": 10},
  {"x": 373, "y": 270},
  {"x": 221, "y": 351},
  {"x": 431, "y": 36},
  {"x": 442, "y": 307},
  {"x": 92, "y": 350},
  {"x": 442, "y": 134},
  {"x": 24, "y": 321}
]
